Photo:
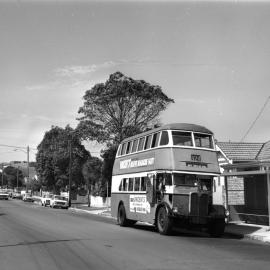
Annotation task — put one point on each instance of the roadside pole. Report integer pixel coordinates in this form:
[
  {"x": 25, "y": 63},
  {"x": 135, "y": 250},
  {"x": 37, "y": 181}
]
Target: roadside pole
[{"x": 69, "y": 169}]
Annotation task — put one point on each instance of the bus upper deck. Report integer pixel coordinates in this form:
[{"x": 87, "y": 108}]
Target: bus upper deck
[{"x": 174, "y": 147}]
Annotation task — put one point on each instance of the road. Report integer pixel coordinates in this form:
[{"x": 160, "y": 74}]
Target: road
[{"x": 34, "y": 237}]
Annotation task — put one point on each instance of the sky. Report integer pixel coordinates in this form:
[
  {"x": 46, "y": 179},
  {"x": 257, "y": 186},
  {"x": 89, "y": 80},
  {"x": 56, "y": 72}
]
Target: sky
[{"x": 211, "y": 57}]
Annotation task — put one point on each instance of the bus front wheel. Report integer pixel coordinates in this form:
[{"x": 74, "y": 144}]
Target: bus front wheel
[
  {"x": 122, "y": 218},
  {"x": 164, "y": 223},
  {"x": 216, "y": 227}
]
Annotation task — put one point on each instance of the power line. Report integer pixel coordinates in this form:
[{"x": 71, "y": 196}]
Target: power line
[
  {"x": 18, "y": 147},
  {"x": 258, "y": 116}
]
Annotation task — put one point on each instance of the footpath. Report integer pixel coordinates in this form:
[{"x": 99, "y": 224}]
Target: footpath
[{"x": 240, "y": 229}]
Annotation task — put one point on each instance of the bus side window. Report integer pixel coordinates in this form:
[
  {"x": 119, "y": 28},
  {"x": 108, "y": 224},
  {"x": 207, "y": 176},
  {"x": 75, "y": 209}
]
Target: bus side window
[
  {"x": 147, "y": 142},
  {"x": 124, "y": 148},
  {"x": 119, "y": 150},
  {"x": 164, "y": 138},
  {"x": 120, "y": 186},
  {"x": 124, "y": 186},
  {"x": 168, "y": 179},
  {"x": 155, "y": 140},
  {"x": 143, "y": 184},
  {"x": 128, "y": 147},
  {"x": 141, "y": 144},
  {"x": 134, "y": 146},
  {"x": 130, "y": 184},
  {"x": 137, "y": 184}
]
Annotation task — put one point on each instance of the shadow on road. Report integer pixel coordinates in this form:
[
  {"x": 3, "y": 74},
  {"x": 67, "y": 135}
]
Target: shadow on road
[{"x": 184, "y": 232}]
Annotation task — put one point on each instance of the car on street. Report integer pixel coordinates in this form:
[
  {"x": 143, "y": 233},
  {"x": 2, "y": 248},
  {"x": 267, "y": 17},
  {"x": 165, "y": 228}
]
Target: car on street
[
  {"x": 58, "y": 201},
  {"x": 46, "y": 199},
  {"x": 17, "y": 195},
  {"x": 4, "y": 195},
  {"x": 27, "y": 197}
]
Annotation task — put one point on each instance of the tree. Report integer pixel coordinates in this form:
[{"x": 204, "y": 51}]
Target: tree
[
  {"x": 92, "y": 175},
  {"x": 119, "y": 108},
  {"x": 53, "y": 159},
  {"x": 13, "y": 177}
]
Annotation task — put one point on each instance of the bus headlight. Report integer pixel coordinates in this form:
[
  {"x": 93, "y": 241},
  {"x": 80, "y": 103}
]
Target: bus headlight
[
  {"x": 175, "y": 209},
  {"x": 227, "y": 213}
]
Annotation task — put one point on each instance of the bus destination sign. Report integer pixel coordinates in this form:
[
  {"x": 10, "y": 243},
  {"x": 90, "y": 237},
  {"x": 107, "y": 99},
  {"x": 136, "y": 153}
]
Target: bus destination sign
[{"x": 129, "y": 163}]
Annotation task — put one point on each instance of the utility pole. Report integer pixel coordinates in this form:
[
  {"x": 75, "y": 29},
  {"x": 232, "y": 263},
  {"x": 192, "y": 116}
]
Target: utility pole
[
  {"x": 69, "y": 169},
  {"x": 17, "y": 179},
  {"x": 27, "y": 150},
  {"x": 2, "y": 175}
]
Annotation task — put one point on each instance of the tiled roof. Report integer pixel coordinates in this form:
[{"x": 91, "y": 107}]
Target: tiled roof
[
  {"x": 264, "y": 154},
  {"x": 240, "y": 151}
]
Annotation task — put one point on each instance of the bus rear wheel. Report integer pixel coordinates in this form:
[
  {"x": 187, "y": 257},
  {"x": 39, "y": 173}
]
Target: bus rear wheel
[{"x": 164, "y": 223}]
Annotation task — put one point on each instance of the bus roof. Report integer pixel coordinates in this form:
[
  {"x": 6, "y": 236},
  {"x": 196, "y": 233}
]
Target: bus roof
[{"x": 173, "y": 126}]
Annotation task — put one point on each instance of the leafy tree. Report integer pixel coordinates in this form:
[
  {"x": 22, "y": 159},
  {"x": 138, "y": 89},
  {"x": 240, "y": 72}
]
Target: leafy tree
[
  {"x": 120, "y": 108},
  {"x": 117, "y": 109},
  {"x": 53, "y": 159},
  {"x": 12, "y": 177}
]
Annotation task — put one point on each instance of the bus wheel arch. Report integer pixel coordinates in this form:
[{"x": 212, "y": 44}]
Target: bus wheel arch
[
  {"x": 122, "y": 219},
  {"x": 163, "y": 220}
]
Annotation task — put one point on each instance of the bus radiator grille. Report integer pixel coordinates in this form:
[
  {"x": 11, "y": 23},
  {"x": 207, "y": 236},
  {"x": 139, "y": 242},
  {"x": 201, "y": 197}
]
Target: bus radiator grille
[{"x": 198, "y": 204}]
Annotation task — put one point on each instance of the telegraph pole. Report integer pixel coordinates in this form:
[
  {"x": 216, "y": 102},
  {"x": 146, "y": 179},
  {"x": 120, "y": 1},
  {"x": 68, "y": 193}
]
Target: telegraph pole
[
  {"x": 69, "y": 169},
  {"x": 2, "y": 175},
  {"x": 27, "y": 151}
]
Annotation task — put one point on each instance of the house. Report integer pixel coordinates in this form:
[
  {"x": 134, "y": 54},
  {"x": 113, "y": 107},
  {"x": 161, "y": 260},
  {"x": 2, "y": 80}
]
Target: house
[{"x": 244, "y": 180}]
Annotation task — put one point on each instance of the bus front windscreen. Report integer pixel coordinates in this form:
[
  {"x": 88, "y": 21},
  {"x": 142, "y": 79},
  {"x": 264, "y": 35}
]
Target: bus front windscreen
[
  {"x": 203, "y": 140},
  {"x": 184, "y": 179}
]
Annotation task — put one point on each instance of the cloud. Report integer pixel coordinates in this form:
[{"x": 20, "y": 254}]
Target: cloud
[{"x": 70, "y": 71}]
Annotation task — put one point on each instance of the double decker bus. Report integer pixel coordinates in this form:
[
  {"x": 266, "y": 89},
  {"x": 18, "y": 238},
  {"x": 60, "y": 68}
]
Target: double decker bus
[{"x": 165, "y": 177}]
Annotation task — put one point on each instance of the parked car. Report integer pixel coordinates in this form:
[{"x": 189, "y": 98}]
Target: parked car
[
  {"x": 4, "y": 195},
  {"x": 58, "y": 201},
  {"x": 46, "y": 200},
  {"x": 17, "y": 195},
  {"x": 27, "y": 197}
]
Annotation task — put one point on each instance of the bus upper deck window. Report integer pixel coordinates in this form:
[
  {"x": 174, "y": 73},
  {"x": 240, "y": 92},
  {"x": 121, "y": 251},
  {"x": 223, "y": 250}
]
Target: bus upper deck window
[
  {"x": 164, "y": 138},
  {"x": 119, "y": 150},
  {"x": 141, "y": 144},
  {"x": 134, "y": 146},
  {"x": 128, "y": 147},
  {"x": 182, "y": 138},
  {"x": 155, "y": 140},
  {"x": 124, "y": 148},
  {"x": 203, "y": 140},
  {"x": 147, "y": 142}
]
